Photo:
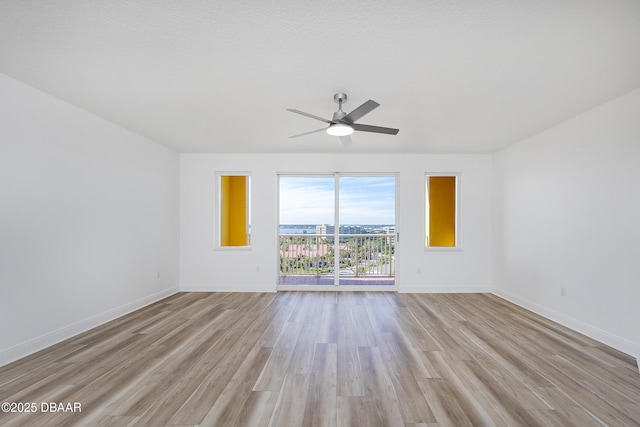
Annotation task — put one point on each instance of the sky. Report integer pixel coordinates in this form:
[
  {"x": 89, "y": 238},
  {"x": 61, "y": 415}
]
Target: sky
[{"x": 363, "y": 200}]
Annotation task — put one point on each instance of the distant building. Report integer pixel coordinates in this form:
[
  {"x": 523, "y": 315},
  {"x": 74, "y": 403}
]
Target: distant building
[
  {"x": 326, "y": 229},
  {"x": 352, "y": 229},
  {"x": 389, "y": 230}
]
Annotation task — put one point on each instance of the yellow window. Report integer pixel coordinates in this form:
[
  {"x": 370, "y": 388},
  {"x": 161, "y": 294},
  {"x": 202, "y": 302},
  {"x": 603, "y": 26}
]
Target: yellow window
[
  {"x": 234, "y": 210},
  {"x": 441, "y": 211}
]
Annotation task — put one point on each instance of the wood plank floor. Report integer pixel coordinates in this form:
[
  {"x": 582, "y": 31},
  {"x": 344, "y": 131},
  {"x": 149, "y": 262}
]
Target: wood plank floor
[{"x": 327, "y": 359}]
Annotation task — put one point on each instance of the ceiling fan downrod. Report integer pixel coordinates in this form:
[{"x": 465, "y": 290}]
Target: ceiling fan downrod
[{"x": 339, "y": 98}]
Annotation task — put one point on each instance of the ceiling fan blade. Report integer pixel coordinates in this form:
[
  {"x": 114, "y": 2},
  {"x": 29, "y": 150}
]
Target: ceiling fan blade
[
  {"x": 309, "y": 115},
  {"x": 376, "y": 129},
  {"x": 346, "y": 140},
  {"x": 308, "y": 133},
  {"x": 359, "y": 112}
]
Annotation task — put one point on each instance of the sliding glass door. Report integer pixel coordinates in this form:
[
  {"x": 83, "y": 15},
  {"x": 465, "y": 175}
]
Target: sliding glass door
[
  {"x": 337, "y": 230},
  {"x": 367, "y": 206},
  {"x": 306, "y": 232}
]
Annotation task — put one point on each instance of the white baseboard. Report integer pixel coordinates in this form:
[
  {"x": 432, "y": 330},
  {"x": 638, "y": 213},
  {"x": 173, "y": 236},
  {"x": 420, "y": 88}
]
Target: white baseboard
[
  {"x": 12, "y": 354},
  {"x": 209, "y": 287},
  {"x": 619, "y": 343},
  {"x": 443, "y": 289}
]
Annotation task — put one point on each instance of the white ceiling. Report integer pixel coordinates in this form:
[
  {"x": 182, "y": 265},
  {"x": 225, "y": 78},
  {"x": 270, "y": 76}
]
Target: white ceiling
[{"x": 217, "y": 76}]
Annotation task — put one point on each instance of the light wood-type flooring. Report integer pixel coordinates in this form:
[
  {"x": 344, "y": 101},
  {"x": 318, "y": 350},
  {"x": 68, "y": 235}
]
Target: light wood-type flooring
[{"x": 327, "y": 359}]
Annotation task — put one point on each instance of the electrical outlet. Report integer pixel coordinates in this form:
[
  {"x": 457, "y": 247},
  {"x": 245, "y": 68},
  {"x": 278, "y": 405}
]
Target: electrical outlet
[{"x": 563, "y": 292}]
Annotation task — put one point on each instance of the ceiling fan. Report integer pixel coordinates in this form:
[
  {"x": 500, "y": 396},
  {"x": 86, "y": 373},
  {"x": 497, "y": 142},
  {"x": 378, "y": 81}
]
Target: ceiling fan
[{"x": 343, "y": 124}]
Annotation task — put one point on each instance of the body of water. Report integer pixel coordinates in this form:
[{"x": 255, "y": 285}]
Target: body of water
[{"x": 347, "y": 228}]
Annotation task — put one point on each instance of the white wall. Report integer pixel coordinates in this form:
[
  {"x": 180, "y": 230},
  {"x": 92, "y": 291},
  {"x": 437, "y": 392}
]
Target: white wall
[
  {"x": 88, "y": 219},
  {"x": 203, "y": 268},
  {"x": 567, "y": 209}
]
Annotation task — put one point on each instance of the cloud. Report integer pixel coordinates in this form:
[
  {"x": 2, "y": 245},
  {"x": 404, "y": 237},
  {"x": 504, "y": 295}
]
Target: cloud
[
  {"x": 363, "y": 200},
  {"x": 306, "y": 200}
]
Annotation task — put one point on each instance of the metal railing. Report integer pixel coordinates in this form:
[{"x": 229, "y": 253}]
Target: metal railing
[{"x": 315, "y": 254}]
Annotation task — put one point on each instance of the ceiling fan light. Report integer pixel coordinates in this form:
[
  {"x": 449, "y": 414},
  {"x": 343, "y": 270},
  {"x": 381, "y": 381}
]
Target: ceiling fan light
[{"x": 339, "y": 129}]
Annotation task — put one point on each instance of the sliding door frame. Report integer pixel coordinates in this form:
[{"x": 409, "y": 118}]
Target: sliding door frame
[{"x": 336, "y": 234}]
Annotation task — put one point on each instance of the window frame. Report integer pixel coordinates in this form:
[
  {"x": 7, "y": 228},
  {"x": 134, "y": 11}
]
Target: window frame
[{"x": 457, "y": 215}]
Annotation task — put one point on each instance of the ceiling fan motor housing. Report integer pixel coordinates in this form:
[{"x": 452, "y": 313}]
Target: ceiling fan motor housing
[{"x": 339, "y": 115}]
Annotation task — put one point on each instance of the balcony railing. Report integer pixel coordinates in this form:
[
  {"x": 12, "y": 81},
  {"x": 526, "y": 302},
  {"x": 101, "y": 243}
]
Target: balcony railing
[{"x": 315, "y": 255}]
